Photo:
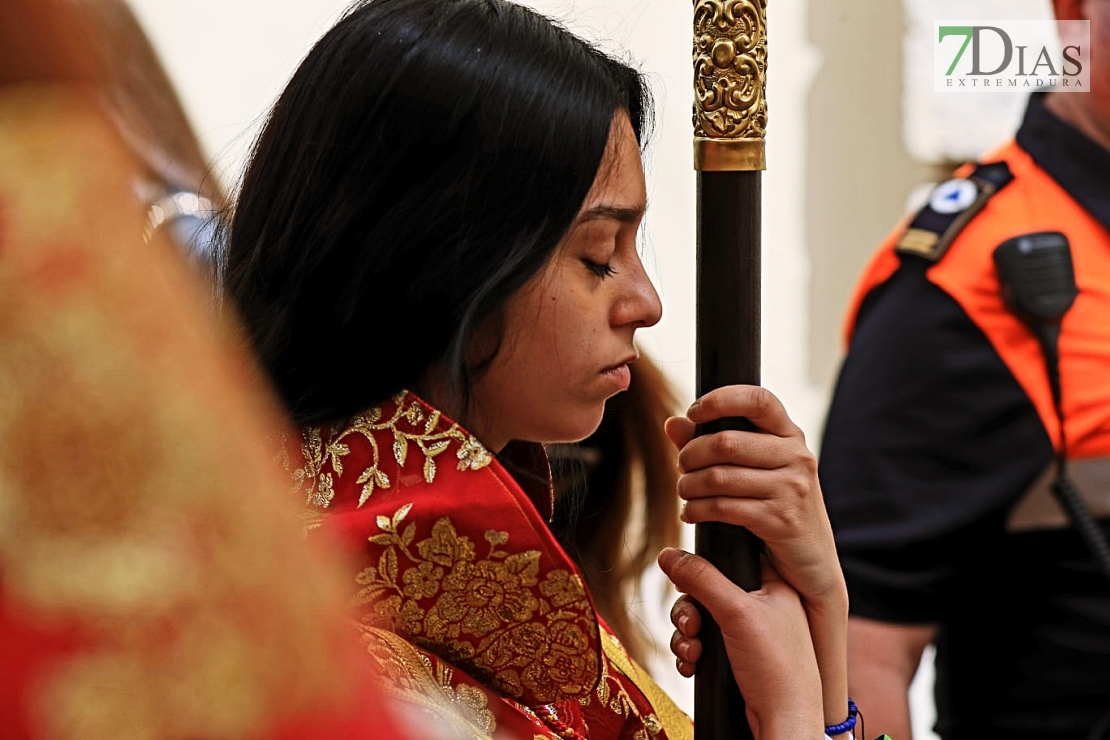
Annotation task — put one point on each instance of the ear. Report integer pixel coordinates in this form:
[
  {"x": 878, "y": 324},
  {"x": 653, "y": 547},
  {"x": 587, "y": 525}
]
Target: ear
[{"x": 1069, "y": 10}]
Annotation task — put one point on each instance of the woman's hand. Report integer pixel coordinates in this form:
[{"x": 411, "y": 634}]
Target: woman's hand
[
  {"x": 766, "y": 636},
  {"x": 766, "y": 481}
]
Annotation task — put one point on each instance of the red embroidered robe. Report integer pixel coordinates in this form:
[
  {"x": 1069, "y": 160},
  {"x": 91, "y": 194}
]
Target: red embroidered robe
[
  {"x": 151, "y": 581},
  {"x": 461, "y": 593}
]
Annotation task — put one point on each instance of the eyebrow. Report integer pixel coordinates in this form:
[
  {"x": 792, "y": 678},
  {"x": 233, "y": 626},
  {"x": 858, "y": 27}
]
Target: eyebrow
[{"x": 616, "y": 213}]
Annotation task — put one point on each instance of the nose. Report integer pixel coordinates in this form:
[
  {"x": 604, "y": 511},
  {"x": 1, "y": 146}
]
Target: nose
[{"x": 640, "y": 306}]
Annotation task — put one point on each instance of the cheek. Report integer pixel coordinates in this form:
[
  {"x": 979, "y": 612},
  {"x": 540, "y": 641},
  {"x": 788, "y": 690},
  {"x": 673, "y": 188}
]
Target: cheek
[
  {"x": 555, "y": 328},
  {"x": 575, "y": 322}
]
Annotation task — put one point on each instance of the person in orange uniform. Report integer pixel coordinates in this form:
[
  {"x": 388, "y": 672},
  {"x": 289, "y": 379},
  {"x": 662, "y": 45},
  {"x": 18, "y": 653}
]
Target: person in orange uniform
[{"x": 943, "y": 437}]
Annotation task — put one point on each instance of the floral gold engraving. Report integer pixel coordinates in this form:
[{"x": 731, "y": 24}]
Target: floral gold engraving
[{"x": 730, "y": 69}]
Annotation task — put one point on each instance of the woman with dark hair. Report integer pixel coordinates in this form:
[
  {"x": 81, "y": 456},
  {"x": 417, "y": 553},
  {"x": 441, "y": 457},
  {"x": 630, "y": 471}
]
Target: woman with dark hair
[{"x": 435, "y": 256}]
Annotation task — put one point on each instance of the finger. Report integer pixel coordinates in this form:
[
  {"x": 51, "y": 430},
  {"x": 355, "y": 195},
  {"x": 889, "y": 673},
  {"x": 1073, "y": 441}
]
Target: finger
[
  {"x": 731, "y": 481},
  {"x": 680, "y": 431},
  {"x": 765, "y": 521},
  {"x": 758, "y": 405},
  {"x": 740, "y": 513},
  {"x": 686, "y": 670},
  {"x": 685, "y": 648},
  {"x": 685, "y": 616},
  {"x": 697, "y": 577},
  {"x": 748, "y": 449}
]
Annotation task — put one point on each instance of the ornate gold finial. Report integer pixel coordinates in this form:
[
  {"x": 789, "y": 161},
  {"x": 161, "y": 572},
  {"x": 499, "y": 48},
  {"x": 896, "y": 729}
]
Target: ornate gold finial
[{"x": 730, "y": 84}]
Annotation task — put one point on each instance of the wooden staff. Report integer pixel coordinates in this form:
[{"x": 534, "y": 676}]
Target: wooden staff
[{"x": 730, "y": 121}]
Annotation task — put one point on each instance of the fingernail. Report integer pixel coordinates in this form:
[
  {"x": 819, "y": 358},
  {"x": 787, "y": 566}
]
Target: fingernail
[
  {"x": 682, "y": 622},
  {"x": 694, "y": 405}
]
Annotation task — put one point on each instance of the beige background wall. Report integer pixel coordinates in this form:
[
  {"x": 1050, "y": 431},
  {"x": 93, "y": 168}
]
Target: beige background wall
[{"x": 859, "y": 171}]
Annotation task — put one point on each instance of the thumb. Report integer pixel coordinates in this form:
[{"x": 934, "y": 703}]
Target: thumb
[
  {"x": 680, "y": 430},
  {"x": 696, "y": 576}
]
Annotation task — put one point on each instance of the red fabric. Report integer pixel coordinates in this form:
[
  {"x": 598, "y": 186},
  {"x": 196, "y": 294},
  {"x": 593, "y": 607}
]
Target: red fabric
[
  {"x": 152, "y": 580},
  {"x": 454, "y": 571}
]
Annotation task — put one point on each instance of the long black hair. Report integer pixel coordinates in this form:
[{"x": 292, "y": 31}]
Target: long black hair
[{"x": 422, "y": 164}]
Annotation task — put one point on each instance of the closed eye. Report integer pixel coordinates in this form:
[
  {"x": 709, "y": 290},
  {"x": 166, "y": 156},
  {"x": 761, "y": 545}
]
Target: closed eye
[{"x": 602, "y": 270}]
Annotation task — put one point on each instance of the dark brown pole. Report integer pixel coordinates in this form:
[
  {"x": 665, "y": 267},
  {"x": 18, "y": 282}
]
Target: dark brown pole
[{"x": 730, "y": 119}]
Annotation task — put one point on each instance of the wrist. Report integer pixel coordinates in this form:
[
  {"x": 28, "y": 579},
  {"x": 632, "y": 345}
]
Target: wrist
[
  {"x": 828, "y": 623},
  {"x": 831, "y": 600},
  {"x": 844, "y": 729},
  {"x": 785, "y": 724}
]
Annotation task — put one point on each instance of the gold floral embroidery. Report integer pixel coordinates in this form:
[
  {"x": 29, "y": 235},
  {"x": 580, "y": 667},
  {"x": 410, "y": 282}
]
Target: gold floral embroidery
[
  {"x": 471, "y": 455},
  {"x": 492, "y": 616},
  {"x": 409, "y": 423},
  {"x": 547, "y": 716},
  {"x": 612, "y": 695},
  {"x": 414, "y": 678},
  {"x": 667, "y": 717},
  {"x": 310, "y": 478}
]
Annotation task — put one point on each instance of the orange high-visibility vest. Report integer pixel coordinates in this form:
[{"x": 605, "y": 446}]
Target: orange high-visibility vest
[{"x": 964, "y": 270}]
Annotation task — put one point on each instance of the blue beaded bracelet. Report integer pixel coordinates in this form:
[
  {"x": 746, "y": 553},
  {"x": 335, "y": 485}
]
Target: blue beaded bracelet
[{"x": 847, "y": 725}]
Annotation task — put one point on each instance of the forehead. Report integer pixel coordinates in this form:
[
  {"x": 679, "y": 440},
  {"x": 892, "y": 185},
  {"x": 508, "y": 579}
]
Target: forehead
[{"x": 620, "y": 178}]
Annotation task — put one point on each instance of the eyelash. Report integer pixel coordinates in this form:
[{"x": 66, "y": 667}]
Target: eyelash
[{"x": 601, "y": 270}]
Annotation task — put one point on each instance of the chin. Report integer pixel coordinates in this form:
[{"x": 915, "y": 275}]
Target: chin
[{"x": 574, "y": 427}]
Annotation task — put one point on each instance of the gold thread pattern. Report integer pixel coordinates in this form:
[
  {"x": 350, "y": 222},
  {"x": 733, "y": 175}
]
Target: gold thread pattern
[
  {"x": 492, "y": 616},
  {"x": 667, "y": 717},
  {"x": 429, "y": 685},
  {"x": 613, "y": 696},
  {"x": 409, "y": 424}
]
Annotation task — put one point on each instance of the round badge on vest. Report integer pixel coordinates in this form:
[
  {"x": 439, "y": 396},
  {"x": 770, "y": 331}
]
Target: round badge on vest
[{"x": 953, "y": 196}]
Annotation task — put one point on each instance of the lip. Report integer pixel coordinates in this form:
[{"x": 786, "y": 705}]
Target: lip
[
  {"x": 620, "y": 375},
  {"x": 628, "y": 360},
  {"x": 620, "y": 372}
]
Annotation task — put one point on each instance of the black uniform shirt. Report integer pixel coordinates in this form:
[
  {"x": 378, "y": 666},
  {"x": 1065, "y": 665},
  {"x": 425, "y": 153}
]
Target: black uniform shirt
[{"x": 929, "y": 442}]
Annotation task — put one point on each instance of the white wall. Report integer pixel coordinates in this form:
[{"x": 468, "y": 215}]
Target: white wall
[{"x": 230, "y": 59}]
